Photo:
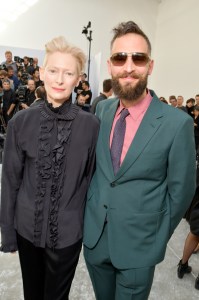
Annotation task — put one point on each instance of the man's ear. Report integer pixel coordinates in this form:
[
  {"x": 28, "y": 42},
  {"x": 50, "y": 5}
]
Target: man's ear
[{"x": 41, "y": 73}]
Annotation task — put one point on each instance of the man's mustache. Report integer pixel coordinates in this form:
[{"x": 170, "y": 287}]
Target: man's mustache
[{"x": 126, "y": 74}]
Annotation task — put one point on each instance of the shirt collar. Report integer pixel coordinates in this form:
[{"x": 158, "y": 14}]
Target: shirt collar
[{"x": 136, "y": 110}]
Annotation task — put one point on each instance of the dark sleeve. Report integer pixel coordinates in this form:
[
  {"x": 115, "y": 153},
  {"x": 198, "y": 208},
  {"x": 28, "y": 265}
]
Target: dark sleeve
[
  {"x": 91, "y": 159},
  {"x": 14, "y": 99},
  {"x": 12, "y": 170}
]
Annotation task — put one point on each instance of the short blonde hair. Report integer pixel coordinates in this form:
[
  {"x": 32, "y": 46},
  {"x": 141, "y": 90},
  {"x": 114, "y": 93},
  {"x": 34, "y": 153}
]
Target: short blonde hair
[{"x": 61, "y": 45}]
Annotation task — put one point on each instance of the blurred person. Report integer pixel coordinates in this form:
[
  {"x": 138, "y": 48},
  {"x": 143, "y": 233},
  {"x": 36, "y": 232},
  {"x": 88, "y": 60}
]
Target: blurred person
[
  {"x": 10, "y": 62},
  {"x": 36, "y": 78},
  {"x": 180, "y": 105},
  {"x": 40, "y": 94},
  {"x": 78, "y": 89},
  {"x": 35, "y": 63},
  {"x": 173, "y": 101},
  {"x": 27, "y": 66},
  {"x": 47, "y": 166},
  {"x": 197, "y": 100},
  {"x": 163, "y": 100},
  {"x": 13, "y": 77},
  {"x": 8, "y": 101},
  {"x": 138, "y": 193},
  {"x": 190, "y": 106},
  {"x": 84, "y": 98},
  {"x": 30, "y": 94},
  {"x": 107, "y": 92},
  {"x": 196, "y": 127},
  {"x": 4, "y": 75}
]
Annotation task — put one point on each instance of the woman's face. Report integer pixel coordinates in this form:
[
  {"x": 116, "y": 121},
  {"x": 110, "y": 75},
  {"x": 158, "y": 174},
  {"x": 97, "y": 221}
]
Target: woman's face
[{"x": 60, "y": 76}]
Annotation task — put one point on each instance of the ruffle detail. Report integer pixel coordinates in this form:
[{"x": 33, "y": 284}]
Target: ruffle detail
[{"x": 50, "y": 165}]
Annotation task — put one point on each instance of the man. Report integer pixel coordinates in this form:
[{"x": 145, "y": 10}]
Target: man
[
  {"x": 107, "y": 92},
  {"x": 10, "y": 62},
  {"x": 145, "y": 160},
  {"x": 13, "y": 77},
  {"x": 84, "y": 98},
  {"x": 30, "y": 94},
  {"x": 197, "y": 100},
  {"x": 180, "y": 105},
  {"x": 78, "y": 89},
  {"x": 8, "y": 101},
  {"x": 173, "y": 100},
  {"x": 48, "y": 163}
]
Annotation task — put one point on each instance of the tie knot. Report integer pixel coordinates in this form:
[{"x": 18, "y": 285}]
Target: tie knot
[{"x": 124, "y": 113}]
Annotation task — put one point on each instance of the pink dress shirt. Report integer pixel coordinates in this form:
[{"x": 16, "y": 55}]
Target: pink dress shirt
[{"x": 133, "y": 121}]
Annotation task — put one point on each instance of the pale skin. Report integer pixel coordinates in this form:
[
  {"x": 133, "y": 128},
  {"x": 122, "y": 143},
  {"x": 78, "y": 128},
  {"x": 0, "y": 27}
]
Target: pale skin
[
  {"x": 60, "y": 76},
  {"x": 130, "y": 43}
]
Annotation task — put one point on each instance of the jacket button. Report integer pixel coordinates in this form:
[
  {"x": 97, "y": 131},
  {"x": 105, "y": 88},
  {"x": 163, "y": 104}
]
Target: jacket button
[
  {"x": 105, "y": 206},
  {"x": 112, "y": 184}
]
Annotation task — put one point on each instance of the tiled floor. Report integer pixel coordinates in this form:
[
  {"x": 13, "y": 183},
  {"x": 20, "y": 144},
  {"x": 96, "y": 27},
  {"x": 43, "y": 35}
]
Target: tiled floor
[{"x": 166, "y": 285}]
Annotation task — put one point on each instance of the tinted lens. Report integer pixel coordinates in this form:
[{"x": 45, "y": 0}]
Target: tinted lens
[
  {"x": 119, "y": 59},
  {"x": 139, "y": 59}
]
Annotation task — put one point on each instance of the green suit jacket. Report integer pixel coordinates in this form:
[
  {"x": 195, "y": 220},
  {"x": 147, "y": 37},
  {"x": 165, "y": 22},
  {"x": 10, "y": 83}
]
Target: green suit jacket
[{"x": 146, "y": 199}]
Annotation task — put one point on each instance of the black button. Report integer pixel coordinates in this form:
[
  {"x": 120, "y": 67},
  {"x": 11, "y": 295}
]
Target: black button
[
  {"x": 113, "y": 184},
  {"x": 105, "y": 206}
]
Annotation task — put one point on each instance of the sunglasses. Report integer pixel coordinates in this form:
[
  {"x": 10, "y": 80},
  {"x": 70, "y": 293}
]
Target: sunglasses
[{"x": 139, "y": 59}]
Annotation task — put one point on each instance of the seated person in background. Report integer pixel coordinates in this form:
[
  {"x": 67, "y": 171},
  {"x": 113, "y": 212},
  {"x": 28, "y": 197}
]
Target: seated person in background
[
  {"x": 30, "y": 94},
  {"x": 40, "y": 94},
  {"x": 36, "y": 78},
  {"x": 107, "y": 92},
  {"x": 84, "y": 99},
  {"x": 78, "y": 89},
  {"x": 8, "y": 101}
]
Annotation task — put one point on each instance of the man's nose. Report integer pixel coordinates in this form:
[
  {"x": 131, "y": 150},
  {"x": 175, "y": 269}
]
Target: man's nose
[{"x": 129, "y": 64}]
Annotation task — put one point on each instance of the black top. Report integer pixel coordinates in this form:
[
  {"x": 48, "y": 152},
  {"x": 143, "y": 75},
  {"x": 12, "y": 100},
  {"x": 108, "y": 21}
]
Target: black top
[
  {"x": 47, "y": 167},
  {"x": 9, "y": 97}
]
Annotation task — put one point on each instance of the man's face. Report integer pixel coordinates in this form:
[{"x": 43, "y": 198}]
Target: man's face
[
  {"x": 173, "y": 102},
  {"x": 197, "y": 100},
  {"x": 130, "y": 80},
  {"x": 31, "y": 85},
  {"x": 8, "y": 57},
  {"x": 6, "y": 86},
  {"x": 36, "y": 74},
  {"x": 10, "y": 73},
  {"x": 60, "y": 76},
  {"x": 180, "y": 100}
]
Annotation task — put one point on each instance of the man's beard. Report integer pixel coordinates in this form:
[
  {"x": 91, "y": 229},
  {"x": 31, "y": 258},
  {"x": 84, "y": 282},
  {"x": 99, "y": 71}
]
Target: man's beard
[{"x": 129, "y": 92}]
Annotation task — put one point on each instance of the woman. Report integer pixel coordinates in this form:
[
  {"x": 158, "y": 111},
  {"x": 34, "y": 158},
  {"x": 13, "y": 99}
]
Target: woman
[{"x": 48, "y": 163}]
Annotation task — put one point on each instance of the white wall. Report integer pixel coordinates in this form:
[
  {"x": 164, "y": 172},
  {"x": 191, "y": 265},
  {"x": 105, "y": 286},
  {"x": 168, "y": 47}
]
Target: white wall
[
  {"x": 49, "y": 18},
  {"x": 176, "y": 51}
]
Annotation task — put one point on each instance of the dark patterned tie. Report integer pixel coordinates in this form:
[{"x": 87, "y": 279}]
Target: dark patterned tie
[{"x": 118, "y": 140}]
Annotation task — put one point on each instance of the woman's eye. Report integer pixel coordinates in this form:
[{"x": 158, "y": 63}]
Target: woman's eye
[
  {"x": 52, "y": 71},
  {"x": 68, "y": 74}
]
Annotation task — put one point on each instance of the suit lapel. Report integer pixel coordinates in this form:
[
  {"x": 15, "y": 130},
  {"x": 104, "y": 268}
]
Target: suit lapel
[
  {"x": 106, "y": 126},
  {"x": 149, "y": 125}
]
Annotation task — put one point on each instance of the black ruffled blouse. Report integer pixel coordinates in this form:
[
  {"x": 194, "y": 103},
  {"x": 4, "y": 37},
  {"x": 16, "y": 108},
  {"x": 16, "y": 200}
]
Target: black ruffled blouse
[{"x": 50, "y": 153}]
